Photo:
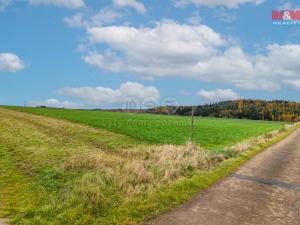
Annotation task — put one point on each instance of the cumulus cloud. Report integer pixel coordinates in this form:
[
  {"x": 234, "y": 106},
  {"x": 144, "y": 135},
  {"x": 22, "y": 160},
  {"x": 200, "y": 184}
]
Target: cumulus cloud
[
  {"x": 72, "y": 4},
  {"x": 10, "y": 62},
  {"x": 138, "y": 6},
  {"x": 279, "y": 64},
  {"x": 129, "y": 92},
  {"x": 194, "y": 19},
  {"x": 225, "y": 16},
  {"x": 193, "y": 52},
  {"x": 55, "y": 104},
  {"x": 155, "y": 51},
  {"x": 102, "y": 17},
  {"x": 214, "y": 3},
  {"x": 218, "y": 95},
  {"x": 295, "y": 84},
  {"x": 75, "y": 20},
  {"x": 105, "y": 16}
]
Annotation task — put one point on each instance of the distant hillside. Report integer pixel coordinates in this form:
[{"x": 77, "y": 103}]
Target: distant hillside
[{"x": 241, "y": 109}]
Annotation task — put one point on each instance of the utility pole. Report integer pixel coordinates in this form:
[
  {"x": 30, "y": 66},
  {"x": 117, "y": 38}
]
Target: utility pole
[
  {"x": 24, "y": 105},
  {"x": 192, "y": 125}
]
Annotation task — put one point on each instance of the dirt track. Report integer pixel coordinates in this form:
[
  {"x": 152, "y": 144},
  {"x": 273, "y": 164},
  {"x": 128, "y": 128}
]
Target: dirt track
[{"x": 264, "y": 191}]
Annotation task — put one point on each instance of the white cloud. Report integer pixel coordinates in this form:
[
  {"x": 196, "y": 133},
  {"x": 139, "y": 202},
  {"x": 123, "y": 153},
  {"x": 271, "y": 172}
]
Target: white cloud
[
  {"x": 55, "y": 104},
  {"x": 129, "y": 92},
  {"x": 194, "y": 19},
  {"x": 72, "y": 4},
  {"x": 225, "y": 16},
  {"x": 193, "y": 52},
  {"x": 4, "y": 4},
  {"x": 138, "y": 6},
  {"x": 214, "y": 3},
  {"x": 105, "y": 16},
  {"x": 293, "y": 83},
  {"x": 166, "y": 49},
  {"x": 280, "y": 63},
  {"x": 75, "y": 20},
  {"x": 102, "y": 17},
  {"x": 218, "y": 95},
  {"x": 10, "y": 62}
]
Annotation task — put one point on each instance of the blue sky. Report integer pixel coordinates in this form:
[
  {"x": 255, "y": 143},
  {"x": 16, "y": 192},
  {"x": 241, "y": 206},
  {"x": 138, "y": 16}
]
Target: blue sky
[{"x": 120, "y": 53}]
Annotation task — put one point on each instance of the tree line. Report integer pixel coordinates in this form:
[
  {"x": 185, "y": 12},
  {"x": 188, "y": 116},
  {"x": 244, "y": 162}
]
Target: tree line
[{"x": 276, "y": 110}]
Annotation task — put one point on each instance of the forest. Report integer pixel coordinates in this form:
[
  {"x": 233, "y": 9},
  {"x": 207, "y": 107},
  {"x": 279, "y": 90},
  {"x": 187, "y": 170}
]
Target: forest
[{"x": 276, "y": 110}]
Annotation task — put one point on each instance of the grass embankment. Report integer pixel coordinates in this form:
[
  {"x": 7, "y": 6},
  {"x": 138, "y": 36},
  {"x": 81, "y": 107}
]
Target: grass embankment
[
  {"x": 57, "y": 172},
  {"x": 210, "y": 133}
]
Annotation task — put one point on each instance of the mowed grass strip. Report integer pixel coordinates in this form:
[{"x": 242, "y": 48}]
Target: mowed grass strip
[{"x": 210, "y": 133}]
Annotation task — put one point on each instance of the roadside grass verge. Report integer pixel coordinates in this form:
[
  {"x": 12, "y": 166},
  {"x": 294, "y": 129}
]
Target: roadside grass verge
[
  {"x": 56, "y": 172},
  {"x": 210, "y": 133}
]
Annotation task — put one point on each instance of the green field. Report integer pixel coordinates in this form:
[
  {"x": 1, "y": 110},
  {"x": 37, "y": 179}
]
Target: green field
[
  {"x": 210, "y": 133},
  {"x": 55, "y": 172}
]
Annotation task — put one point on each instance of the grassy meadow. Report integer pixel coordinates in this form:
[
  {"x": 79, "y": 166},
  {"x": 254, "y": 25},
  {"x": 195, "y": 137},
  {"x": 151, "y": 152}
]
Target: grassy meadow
[
  {"x": 54, "y": 171},
  {"x": 210, "y": 133}
]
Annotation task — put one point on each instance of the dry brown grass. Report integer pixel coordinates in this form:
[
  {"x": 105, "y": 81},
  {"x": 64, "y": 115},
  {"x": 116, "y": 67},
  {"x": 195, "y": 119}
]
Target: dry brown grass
[
  {"x": 159, "y": 165},
  {"x": 137, "y": 172},
  {"x": 246, "y": 145},
  {"x": 141, "y": 169},
  {"x": 84, "y": 161},
  {"x": 147, "y": 168}
]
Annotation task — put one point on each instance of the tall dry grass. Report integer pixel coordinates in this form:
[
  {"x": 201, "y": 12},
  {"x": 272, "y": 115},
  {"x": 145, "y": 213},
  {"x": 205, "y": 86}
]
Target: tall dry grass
[
  {"x": 138, "y": 170},
  {"x": 248, "y": 144},
  {"x": 144, "y": 169}
]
